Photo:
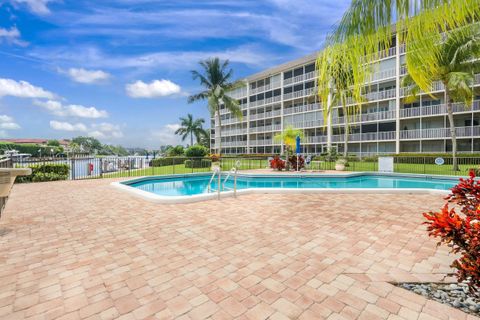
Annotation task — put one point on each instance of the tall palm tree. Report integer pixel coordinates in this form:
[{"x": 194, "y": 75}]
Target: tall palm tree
[
  {"x": 216, "y": 79},
  {"x": 339, "y": 79},
  {"x": 365, "y": 32},
  {"x": 454, "y": 68},
  {"x": 191, "y": 127}
]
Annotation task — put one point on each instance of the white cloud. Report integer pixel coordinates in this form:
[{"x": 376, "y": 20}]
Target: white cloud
[
  {"x": 71, "y": 110},
  {"x": 87, "y": 76},
  {"x": 12, "y": 35},
  {"x": 22, "y": 89},
  {"x": 166, "y": 135},
  {"x": 36, "y": 6},
  {"x": 8, "y": 123},
  {"x": 102, "y": 130},
  {"x": 67, "y": 126},
  {"x": 156, "y": 88}
]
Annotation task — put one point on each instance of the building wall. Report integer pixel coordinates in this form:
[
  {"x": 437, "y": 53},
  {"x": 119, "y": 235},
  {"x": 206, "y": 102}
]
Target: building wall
[{"x": 285, "y": 95}]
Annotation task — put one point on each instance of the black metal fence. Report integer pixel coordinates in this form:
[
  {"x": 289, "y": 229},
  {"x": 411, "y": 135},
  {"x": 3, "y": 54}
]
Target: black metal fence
[{"x": 116, "y": 167}]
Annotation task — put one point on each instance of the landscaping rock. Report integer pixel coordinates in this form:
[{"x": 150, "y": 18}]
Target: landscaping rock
[{"x": 455, "y": 295}]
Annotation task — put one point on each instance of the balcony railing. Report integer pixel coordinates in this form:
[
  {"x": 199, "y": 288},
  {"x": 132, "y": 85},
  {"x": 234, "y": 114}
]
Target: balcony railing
[
  {"x": 368, "y": 136},
  {"x": 364, "y": 117},
  {"x": 383, "y": 74},
  {"x": 302, "y": 108},
  {"x": 274, "y": 127},
  {"x": 439, "y": 133},
  {"x": 268, "y": 114},
  {"x": 316, "y": 139},
  {"x": 439, "y": 109},
  {"x": 260, "y": 142}
]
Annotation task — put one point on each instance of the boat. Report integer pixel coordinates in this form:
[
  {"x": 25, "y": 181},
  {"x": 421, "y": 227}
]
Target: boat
[{"x": 15, "y": 155}]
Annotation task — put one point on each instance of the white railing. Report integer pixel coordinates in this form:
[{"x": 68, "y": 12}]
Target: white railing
[
  {"x": 439, "y": 109},
  {"x": 266, "y": 142},
  {"x": 383, "y": 74},
  {"x": 365, "y": 117},
  {"x": 316, "y": 139},
  {"x": 439, "y": 133}
]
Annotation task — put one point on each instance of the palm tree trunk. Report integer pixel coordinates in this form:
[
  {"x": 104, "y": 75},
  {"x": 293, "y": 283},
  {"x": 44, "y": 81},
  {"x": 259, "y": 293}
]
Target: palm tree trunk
[
  {"x": 345, "y": 148},
  {"x": 453, "y": 134},
  {"x": 219, "y": 133},
  {"x": 191, "y": 139}
]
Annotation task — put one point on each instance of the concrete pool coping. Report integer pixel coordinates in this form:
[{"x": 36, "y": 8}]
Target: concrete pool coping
[{"x": 124, "y": 186}]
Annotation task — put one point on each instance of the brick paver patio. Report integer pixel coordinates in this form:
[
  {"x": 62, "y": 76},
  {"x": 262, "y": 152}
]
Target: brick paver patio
[{"x": 82, "y": 249}]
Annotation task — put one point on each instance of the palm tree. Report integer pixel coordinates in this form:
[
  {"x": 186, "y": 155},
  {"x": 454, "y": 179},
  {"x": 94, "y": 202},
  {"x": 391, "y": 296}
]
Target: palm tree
[
  {"x": 215, "y": 78},
  {"x": 191, "y": 127},
  {"x": 289, "y": 138},
  {"x": 454, "y": 67},
  {"x": 367, "y": 26},
  {"x": 339, "y": 79}
]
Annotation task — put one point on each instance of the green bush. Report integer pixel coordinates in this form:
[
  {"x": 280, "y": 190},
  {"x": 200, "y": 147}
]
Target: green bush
[
  {"x": 175, "y": 151},
  {"x": 162, "y": 162},
  {"x": 196, "y": 151},
  {"x": 198, "y": 163},
  {"x": 46, "y": 172}
]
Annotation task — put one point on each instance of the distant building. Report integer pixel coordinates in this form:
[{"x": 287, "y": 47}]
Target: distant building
[{"x": 63, "y": 142}]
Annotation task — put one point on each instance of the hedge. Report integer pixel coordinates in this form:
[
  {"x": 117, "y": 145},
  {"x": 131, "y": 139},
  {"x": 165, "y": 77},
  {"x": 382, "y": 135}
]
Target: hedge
[
  {"x": 198, "y": 163},
  {"x": 46, "y": 172},
  {"x": 162, "y": 162}
]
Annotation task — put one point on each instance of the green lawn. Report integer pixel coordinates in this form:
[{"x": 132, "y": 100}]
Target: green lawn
[{"x": 249, "y": 164}]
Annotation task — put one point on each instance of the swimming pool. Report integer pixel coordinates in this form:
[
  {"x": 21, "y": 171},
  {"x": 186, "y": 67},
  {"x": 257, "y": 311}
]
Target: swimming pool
[{"x": 194, "y": 187}]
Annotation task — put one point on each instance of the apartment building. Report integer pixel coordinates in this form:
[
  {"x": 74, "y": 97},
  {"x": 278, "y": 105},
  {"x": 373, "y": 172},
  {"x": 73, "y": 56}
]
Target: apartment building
[{"x": 386, "y": 124}]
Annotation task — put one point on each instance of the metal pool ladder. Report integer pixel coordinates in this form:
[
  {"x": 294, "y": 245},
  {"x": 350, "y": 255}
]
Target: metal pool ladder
[{"x": 217, "y": 172}]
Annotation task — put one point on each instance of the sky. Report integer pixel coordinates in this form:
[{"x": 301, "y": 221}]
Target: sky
[{"x": 120, "y": 70}]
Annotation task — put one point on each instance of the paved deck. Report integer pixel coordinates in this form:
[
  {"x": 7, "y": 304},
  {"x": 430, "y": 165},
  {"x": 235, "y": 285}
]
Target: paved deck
[{"x": 82, "y": 249}]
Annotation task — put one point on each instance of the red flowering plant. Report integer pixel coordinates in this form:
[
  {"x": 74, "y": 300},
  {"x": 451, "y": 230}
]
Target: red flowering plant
[
  {"x": 461, "y": 231},
  {"x": 277, "y": 164}
]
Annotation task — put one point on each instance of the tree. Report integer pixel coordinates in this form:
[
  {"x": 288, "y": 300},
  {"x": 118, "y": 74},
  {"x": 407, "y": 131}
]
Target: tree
[
  {"x": 175, "y": 151},
  {"x": 338, "y": 78},
  {"x": 289, "y": 138},
  {"x": 88, "y": 144},
  {"x": 454, "y": 67},
  {"x": 215, "y": 78},
  {"x": 53, "y": 143},
  {"x": 191, "y": 127},
  {"x": 366, "y": 30},
  {"x": 205, "y": 139}
]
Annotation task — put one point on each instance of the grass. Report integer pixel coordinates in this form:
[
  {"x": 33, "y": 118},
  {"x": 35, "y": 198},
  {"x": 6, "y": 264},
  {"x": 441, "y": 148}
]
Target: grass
[{"x": 250, "y": 164}]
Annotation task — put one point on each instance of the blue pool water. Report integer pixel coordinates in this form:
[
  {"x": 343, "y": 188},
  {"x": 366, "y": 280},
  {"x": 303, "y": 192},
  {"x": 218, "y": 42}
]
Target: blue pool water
[{"x": 192, "y": 185}]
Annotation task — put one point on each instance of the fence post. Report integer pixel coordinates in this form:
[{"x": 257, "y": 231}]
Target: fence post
[
  {"x": 73, "y": 168},
  {"x": 101, "y": 167},
  {"x": 424, "y": 168}
]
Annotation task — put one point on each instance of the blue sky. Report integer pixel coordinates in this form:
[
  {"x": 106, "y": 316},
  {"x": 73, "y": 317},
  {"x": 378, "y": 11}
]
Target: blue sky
[{"x": 120, "y": 70}]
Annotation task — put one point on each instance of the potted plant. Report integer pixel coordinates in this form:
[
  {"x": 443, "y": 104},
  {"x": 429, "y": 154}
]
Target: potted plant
[
  {"x": 215, "y": 161},
  {"x": 340, "y": 164}
]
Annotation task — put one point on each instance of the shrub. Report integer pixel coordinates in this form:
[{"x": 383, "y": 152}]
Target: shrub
[
  {"x": 277, "y": 164},
  {"x": 175, "y": 151},
  {"x": 198, "y": 163},
  {"x": 162, "y": 162},
  {"x": 293, "y": 162},
  {"x": 46, "y": 172},
  {"x": 461, "y": 232},
  {"x": 196, "y": 151}
]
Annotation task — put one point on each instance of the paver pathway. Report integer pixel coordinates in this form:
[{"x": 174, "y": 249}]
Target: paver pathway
[{"x": 82, "y": 249}]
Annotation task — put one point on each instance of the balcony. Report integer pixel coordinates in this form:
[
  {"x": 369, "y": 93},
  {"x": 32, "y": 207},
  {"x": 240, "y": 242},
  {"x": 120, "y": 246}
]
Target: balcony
[
  {"x": 440, "y": 109},
  {"x": 261, "y": 142},
  {"x": 234, "y": 132},
  {"x": 368, "y": 136},
  {"x": 439, "y": 133},
  {"x": 376, "y": 95},
  {"x": 383, "y": 74},
  {"x": 268, "y": 114},
  {"x": 299, "y": 94},
  {"x": 365, "y": 117},
  {"x": 316, "y": 139},
  {"x": 302, "y": 108},
  {"x": 380, "y": 55},
  {"x": 269, "y": 128}
]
